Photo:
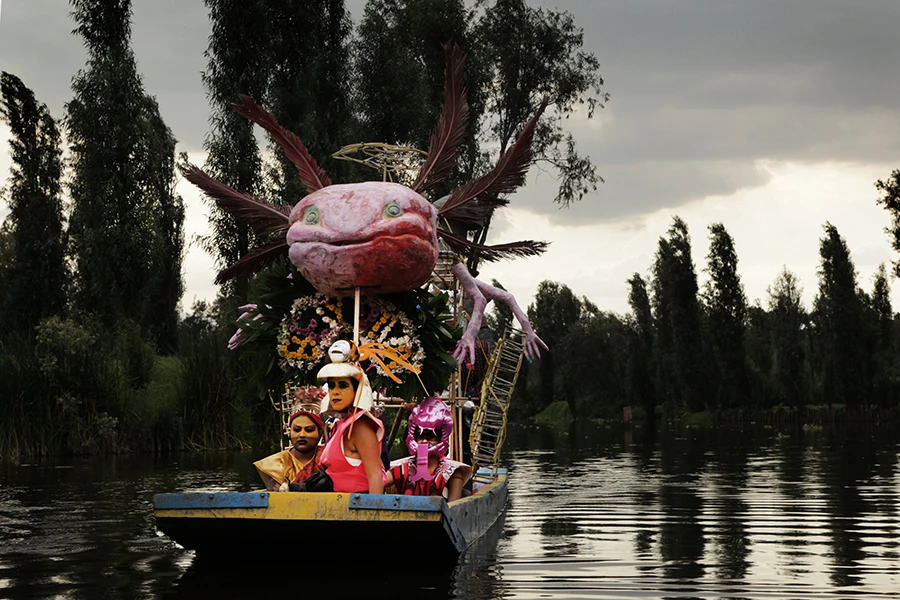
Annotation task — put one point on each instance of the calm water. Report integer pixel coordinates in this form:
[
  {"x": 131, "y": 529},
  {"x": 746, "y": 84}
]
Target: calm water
[{"x": 594, "y": 513}]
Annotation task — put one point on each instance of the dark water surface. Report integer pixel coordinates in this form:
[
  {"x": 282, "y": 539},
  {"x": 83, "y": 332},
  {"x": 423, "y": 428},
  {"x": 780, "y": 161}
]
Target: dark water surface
[{"x": 593, "y": 513}]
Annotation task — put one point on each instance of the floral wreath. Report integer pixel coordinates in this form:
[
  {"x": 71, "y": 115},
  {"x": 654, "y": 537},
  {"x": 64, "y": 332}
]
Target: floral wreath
[
  {"x": 280, "y": 298},
  {"x": 315, "y": 322}
]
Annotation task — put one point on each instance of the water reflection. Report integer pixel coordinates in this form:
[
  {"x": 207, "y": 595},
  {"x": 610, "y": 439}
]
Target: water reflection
[
  {"x": 746, "y": 513},
  {"x": 594, "y": 512}
]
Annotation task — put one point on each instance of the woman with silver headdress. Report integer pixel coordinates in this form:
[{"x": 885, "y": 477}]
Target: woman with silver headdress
[{"x": 353, "y": 454}]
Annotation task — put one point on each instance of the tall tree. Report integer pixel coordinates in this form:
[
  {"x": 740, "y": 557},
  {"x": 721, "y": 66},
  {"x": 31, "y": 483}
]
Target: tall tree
[
  {"x": 881, "y": 303},
  {"x": 399, "y": 74},
  {"x": 156, "y": 171},
  {"x": 36, "y": 274},
  {"x": 309, "y": 93},
  {"x": 880, "y": 350},
  {"x": 788, "y": 321},
  {"x": 726, "y": 308},
  {"x": 553, "y": 313},
  {"x": 838, "y": 317},
  {"x": 238, "y": 62},
  {"x": 640, "y": 358},
  {"x": 593, "y": 375},
  {"x": 890, "y": 199},
  {"x": 128, "y": 262},
  {"x": 532, "y": 53},
  {"x": 677, "y": 320}
]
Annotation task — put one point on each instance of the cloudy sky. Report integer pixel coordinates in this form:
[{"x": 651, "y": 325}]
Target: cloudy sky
[{"x": 769, "y": 117}]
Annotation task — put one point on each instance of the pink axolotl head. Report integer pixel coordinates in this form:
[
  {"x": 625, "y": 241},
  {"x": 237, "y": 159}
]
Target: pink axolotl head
[{"x": 380, "y": 237}]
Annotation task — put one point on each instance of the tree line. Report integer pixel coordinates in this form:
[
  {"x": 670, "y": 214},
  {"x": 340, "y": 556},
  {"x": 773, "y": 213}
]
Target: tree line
[
  {"x": 95, "y": 352},
  {"x": 685, "y": 348}
]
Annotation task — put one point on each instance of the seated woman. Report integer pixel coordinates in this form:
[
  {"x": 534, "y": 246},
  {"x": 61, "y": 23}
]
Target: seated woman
[
  {"x": 298, "y": 462},
  {"x": 428, "y": 472},
  {"x": 353, "y": 454}
]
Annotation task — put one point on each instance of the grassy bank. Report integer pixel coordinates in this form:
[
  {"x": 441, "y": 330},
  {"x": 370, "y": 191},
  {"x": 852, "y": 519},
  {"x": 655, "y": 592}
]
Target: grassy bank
[{"x": 72, "y": 389}]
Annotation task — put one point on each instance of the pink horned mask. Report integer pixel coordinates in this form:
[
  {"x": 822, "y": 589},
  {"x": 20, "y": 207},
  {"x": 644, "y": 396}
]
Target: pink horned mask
[{"x": 432, "y": 416}]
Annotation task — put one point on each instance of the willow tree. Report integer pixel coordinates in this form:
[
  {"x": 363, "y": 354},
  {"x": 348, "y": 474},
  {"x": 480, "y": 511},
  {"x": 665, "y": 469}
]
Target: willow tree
[
  {"x": 534, "y": 53},
  {"x": 35, "y": 271},
  {"x": 531, "y": 54},
  {"x": 126, "y": 221},
  {"x": 890, "y": 199}
]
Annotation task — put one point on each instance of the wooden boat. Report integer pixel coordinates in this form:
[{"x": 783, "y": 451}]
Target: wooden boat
[{"x": 243, "y": 525}]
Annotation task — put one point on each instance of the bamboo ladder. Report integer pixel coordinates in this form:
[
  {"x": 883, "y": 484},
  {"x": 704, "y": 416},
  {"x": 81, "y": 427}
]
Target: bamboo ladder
[{"x": 489, "y": 424}]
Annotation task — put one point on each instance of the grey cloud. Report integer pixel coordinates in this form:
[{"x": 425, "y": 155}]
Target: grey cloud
[
  {"x": 701, "y": 91},
  {"x": 641, "y": 187},
  {"x": 168, "y": 38},
  {"x": 170, "y": 57},
  {"x": 36, "y": 45}
]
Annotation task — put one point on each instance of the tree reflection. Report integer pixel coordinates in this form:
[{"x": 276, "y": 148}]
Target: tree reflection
[
  {"x": 681, "y": 539},
  {"x": 732, "y": 541},
  {"x": 845, "y": 468}
]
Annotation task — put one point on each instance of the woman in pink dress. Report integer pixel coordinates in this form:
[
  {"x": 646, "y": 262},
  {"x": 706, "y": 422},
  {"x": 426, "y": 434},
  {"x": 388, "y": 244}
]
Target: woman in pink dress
[{"x": 352, "y": 456}]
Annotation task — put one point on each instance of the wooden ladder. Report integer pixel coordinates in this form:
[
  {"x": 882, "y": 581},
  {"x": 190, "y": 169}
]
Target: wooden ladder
[{"x": 489, "y": 423}]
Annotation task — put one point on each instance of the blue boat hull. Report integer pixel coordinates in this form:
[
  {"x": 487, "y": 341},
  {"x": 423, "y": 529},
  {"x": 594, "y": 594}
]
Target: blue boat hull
[{"x": 245, "y": 525}]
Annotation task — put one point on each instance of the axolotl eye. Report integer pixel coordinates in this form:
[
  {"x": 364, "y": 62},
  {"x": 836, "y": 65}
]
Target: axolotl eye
[
  {"x": 311, "y": 215},
  {"x": 392, "y": 210}
]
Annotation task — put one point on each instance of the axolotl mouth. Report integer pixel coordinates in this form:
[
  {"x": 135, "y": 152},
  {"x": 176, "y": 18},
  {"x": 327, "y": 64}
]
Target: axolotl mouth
[{"x": 380, "y": 237}]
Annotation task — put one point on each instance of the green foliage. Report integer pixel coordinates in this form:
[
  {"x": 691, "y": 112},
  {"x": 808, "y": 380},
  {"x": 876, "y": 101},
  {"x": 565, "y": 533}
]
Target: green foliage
[
  {"x": 217, "y": 405},
  {"x": 594, "y": 373},
  {"x": 640, "y": 365},
  {"x": 698, "y": 420},
  {"x": 65, "y": 392},
  {"x": 126, "y": 223},
  {"x": 531, "y": 53},
  {"x": 6, "y": 258},
  {"x": 553, "y": 313},
  {"x": 238, "y": 62},
  {"x": 151, "y": 416},
  {"x": 880, "y": 339},
  {"x": 557, "y": 413},
  {"x": 35, "y": 273},
  {"x": 789, "y": 351},
  {"x": 881, "y": 304},
  {"x": 890, "y": 200},
  {"x": 138, "y": 355},
  {"x": 309, "y": 90},
  {"x": 726, "y": 308},
  {"x": 399, "y": 74},
  {"x": 838, "y": 318},
  {"x": 676, "y": 313}
]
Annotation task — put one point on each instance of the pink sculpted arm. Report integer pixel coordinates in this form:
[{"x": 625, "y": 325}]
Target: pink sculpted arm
[{"x": 481, "y": 293}]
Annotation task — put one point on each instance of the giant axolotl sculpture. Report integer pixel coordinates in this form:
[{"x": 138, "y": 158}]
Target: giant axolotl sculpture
[{"x": 382, "y": 237}]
